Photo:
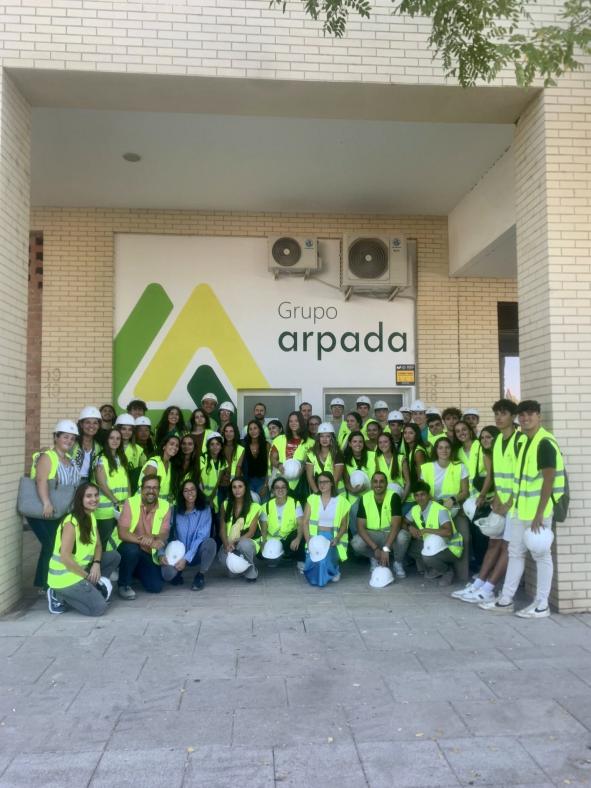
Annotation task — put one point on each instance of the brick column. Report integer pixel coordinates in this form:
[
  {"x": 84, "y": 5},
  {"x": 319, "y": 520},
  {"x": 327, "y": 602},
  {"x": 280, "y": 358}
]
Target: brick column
[
  {"x": 15, "y": 128},
  {"x": 553, "y": 191}
]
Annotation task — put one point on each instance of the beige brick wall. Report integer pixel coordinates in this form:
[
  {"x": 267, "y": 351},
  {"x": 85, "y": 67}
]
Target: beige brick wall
[
  {"x": 553, "y": 171},
  {"x": 230, "y": 38},
  {"x": 14, "y": 258},
  {"x": 457, "y": 362}
]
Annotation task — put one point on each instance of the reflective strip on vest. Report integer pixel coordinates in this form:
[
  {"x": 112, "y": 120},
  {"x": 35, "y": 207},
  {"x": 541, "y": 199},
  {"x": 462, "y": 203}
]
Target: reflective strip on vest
[
  {"x": 527, "y": 488},
  {"x": 342, "y": 509},
  {"x": 59, "y": 576},
  {"x": 374, "y": 519},
  {"x": 280, "y": 529},
  {"x": 455, "y": 542}
]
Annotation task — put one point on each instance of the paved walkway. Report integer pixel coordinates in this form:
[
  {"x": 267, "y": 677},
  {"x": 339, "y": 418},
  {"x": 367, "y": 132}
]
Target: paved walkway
[{"x": 277, "y": 683}]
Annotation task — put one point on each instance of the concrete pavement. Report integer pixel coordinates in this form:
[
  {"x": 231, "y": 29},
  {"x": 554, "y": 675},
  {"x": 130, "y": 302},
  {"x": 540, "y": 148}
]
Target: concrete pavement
[{"x": 278, "y": 683}]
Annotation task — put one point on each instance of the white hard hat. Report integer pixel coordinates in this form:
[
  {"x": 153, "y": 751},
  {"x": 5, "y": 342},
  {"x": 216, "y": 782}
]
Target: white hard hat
[
  {"x": 209, "y": 395},
  {"x": 491, "y": 525},
  {"x": 89, "y": 412},
  {"x": 359, "y": 479},
  {"x": 66, "y": 425},
  {"x": 380, "y": 405},
  {"x": 125, "y": 420},
  {"x": 395, "y": 415},
  {"x": 105, "y": 586},
  {"x": 337, "y": 401},
  {"x": 433, "y": 544},
  {"x": 471, "y": 412},
  {"x": 143, "y": 421},
  {"x": 273, "y": 549},
  {"x": 213, "y": 435},
  {"x": 433, "y": 412},
  {"x": 325, "y": 428},
  {"x": 418, "y": 405},
  {"x": 174, "y": 552},
  {"x": 469, "y": 507},
  {"x": 381, "y": 577},
  {"x": 404, "y": 409},
  {"x": 363, "y": 400},
  {"x": 318, "y": 548},
  {"x": 292, "y": 470},
  {"x": 236, "y": 563},
  {"x": 227, "y": 406},
  {"x": 540, "y": 542}
]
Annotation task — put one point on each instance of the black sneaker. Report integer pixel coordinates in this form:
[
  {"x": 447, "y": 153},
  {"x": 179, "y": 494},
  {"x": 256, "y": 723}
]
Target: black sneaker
[
  {"x": 198, "y": 582},
  {"x": 177, "y": 580},
  {"x": 56, "y": 608}
]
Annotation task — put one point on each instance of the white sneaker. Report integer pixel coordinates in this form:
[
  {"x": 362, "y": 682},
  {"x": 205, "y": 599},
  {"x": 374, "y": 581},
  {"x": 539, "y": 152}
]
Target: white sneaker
[
  {"x": 336, "y": 578},
  {"x": 532, "y": 612},
  {"x": 301, "y": 566},
  {"x": 461, "y": 592},
  {"x": 399, "y": 570},
  {"x": 478, "y": 597},
  {"x": 114, "y": 576},
  {"x": 495, "y": 606}
]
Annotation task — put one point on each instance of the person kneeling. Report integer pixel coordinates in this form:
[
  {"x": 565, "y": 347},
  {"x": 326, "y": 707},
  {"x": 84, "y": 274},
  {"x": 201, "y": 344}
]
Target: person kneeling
[
  {"x": 238, "y": 526},
  {"x": 379, "y": 518},
  {"x": 434, "y": 539},
  {"x": 143, "y": 530},
  {"x": 191, "y": 525},
  {"x": 77, "y": 563}
]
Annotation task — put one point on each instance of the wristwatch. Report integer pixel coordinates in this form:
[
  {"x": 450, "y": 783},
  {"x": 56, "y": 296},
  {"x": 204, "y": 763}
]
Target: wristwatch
[{"x": 386, "y": 549}]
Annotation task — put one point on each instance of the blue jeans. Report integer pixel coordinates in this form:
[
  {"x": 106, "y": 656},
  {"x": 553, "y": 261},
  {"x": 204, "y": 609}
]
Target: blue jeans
[
  {"x": 320, "y": 573},
  {"x": 45, "y": 531},
  {"x": 138, "y": 563}
]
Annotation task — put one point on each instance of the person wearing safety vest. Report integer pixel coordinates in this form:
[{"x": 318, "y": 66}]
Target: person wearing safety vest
[
  {"x": 380, "y": 414},
  {"x": 132, "y": 450},
  {"x": 239, "y": 525},
  {"x": 209, "y": 403},
  {"x": 494, "y": 564},
  {"x": 393, "y": 464},
  {"x": 337, "y": 410},
  {"x": 379, "y": 518},
  {"x": 212, "y": 465},
  {"x": 78, "y": 560},
  {"x": 293, "y": 445},
  {"x": 234, "y": 456},
  {"x": 325, "y": 456},
  {"x": 112, "y": 478},
  {"x": 363, "y": 406},
  {"x": 429, "y": 519},
  {"x": 282, "y": 518},
  {"x": 416, "y": 453},
  {"x": 395, "y": 428},
  {"x": 539, "y": 481},
  {"x": 327, "y": 515},
  {"x": 165, "y": 466},
  {"x": 48, "y": 465},
  {"x": 143, "y": 529},
  {"x": 357, "y": 457},
  {"x": 87, "y": 447},
  {"x": 352, "y": 423},
  {"x": 434, "y": 428},
  {"x": 448, "y": 482}
]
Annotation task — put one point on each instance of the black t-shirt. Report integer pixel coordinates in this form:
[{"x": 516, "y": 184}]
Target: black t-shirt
[
  {"x": 395, "y": 507},
  {"x": 546, "y": 453}
]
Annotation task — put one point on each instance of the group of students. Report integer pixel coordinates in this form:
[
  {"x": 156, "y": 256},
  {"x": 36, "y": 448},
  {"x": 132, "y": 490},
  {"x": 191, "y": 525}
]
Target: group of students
[{"x": 406, "y": 487}]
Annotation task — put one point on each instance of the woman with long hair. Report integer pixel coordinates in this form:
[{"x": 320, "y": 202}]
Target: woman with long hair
[
  {"x": 357, "y": 458},
  {"x": 393, "y": 464},
  {"x": 351, "y": 423},
  {"x": 200, "y": 429},
  {"x": 467, "y": 449},
  {"x": 172, "y": 422},
  {"x": 373, "y": 430},
  {"x": 78, "y": 560},
  {"x": 255, "y": 464},
  {"x": 326, "y": 515},
  {"x": 239, "y": 525},
  {"x": 325, "y": 456},
  {"x": 188, "y": 459},
  {"x": 293, "y": 445},
  {"x": 212, "y": 465},
  {"x": 136, "y": 457},
  {"x": 165, "y": 466},
  {"x": 54, "y": 463},
  {"x": 87, "y": 447},
  {"x": 282, "y": 518},
  {"x": 191, "y": 524},
  {"x": 111, "y": 474},
  {"x": 416, "y": 453}
]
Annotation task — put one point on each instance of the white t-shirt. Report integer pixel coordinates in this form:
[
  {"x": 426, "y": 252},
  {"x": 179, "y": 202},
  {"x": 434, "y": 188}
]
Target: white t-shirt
[
  {"x": 326, "y": 516},
  {"x": 263, "y": 515},
  {"x": 440, "y": 475}
]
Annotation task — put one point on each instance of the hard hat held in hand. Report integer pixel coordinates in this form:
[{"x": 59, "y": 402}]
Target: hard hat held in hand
[
  {"x": 359, "y": 479},
  {"x": 433, "y": 544},
  {"x": 273, "y": 549},
  {"x": 105, "y": 586},
  {"x": 236, "y": 563},
  {"x": 292, "y": 470},
  {"x": 318, "y": 548},
  {"x": 469, "y": 507},
  {"x": 540, "y": 542},
  {"x": 381, "y": 577},
  {"x": 175, "y": 551},
  {"x": 492, "y": 525}
]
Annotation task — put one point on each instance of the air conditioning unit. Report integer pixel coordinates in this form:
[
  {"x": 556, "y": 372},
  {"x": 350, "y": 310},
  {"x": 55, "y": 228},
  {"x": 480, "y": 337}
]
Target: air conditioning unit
[
  {"x": 293, "y": 255},
  {"x": 375, "y": 263}
]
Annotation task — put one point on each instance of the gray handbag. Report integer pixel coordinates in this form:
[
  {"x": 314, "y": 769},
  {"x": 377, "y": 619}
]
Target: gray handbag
[{"x": 29, "y": 504}]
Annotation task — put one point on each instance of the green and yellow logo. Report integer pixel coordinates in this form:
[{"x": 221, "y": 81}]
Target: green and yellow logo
[{"x": 202, "y": 323}]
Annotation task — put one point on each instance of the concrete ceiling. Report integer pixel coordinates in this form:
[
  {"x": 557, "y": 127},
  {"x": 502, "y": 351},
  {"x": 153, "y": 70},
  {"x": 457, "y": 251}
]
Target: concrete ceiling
[{"x": 257, "y": 163}]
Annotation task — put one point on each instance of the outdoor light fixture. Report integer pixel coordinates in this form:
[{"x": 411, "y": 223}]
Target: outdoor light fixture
[{"x": 132, "y": 157}]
